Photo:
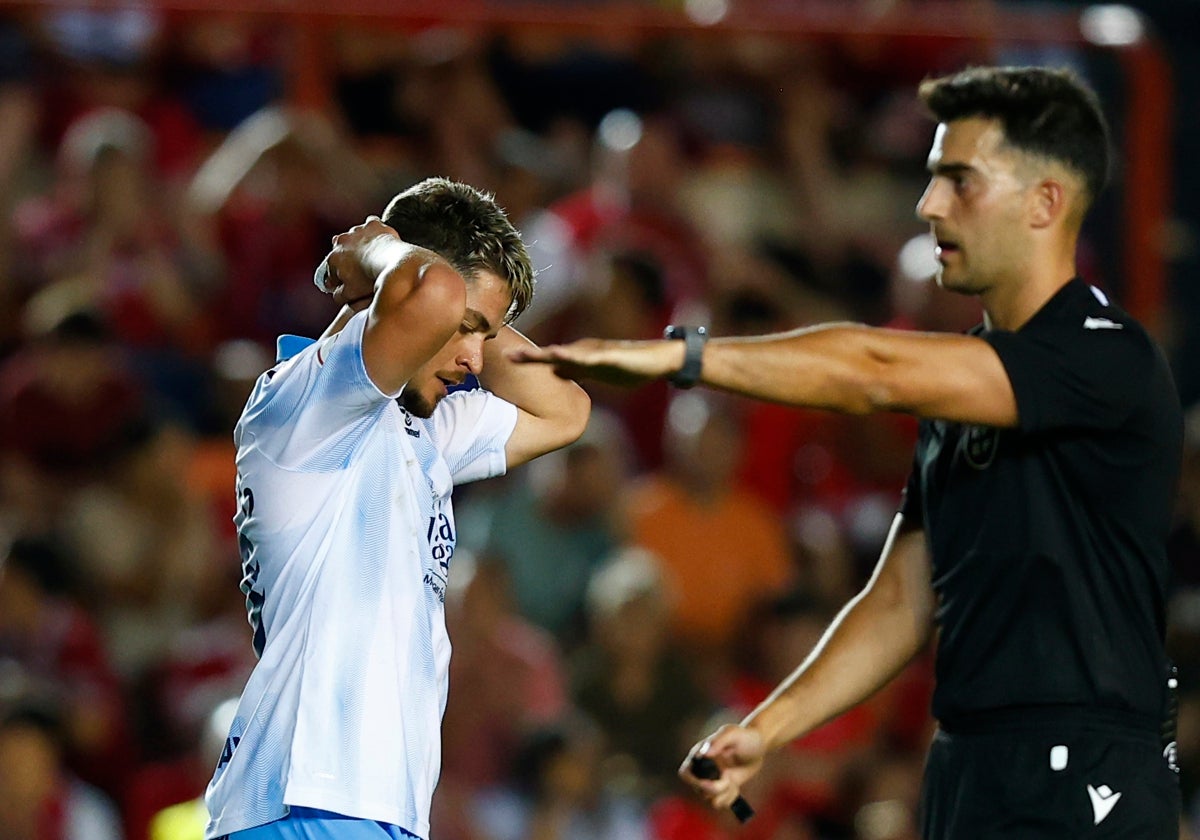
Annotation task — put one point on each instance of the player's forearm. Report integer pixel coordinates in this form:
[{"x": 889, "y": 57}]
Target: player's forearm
[
  {"x": 386, "y": 263},
  {"x": 534, "y": 388},
  {"x": 870, "y": 641},
  {"x": 410, "y": 282}
]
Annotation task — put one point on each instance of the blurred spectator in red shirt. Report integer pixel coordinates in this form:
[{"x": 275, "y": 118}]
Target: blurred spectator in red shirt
[
  {"x": 269, "y": 199},
  {"x": 55, "y": 644},
  {"x": 39, "y": 798},
  {"x": 63, "y": 400},
  {"x": 632, "y": 677}
]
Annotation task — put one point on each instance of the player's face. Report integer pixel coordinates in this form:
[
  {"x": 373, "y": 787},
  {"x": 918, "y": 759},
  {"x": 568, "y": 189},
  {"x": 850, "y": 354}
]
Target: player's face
[
  {"x": 488, "y": 299},
  {"x": 974, "y": 205}
]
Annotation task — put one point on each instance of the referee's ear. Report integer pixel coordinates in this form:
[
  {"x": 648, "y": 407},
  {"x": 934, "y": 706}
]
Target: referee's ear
[{"x": 1049, "y": 203}]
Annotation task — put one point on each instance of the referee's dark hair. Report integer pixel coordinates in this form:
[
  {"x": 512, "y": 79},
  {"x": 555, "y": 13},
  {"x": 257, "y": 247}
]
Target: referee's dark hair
[{"x": 1049, "y": 113}]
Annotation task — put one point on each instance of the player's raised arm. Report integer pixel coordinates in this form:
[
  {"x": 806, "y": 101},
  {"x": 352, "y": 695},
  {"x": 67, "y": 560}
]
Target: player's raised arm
[
  {"x": 552, "y": 411},
  {"x": 417, "y": 300}
]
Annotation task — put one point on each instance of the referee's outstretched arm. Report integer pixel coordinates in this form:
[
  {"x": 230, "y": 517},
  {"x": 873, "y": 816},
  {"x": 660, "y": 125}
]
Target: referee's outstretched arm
[{"x": 844, "y": 367}]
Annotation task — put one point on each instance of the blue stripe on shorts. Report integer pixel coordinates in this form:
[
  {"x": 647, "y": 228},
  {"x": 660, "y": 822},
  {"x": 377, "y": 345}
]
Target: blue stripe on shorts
[{"x": 311, "y": 824}]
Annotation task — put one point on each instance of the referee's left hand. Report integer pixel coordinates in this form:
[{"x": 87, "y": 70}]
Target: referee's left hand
[{"x": 738, "y": 751}]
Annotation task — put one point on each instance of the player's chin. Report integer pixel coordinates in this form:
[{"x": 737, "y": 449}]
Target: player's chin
[{"x": 418, "y": 405}]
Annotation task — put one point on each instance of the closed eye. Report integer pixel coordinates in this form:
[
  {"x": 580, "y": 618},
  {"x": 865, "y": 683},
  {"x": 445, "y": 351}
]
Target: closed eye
[
  {"x": 468, "y": 328},
  {"x": 476, "y": 322}
]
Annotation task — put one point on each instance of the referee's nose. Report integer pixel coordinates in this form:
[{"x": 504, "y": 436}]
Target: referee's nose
[{"x": 934, "y": 203}]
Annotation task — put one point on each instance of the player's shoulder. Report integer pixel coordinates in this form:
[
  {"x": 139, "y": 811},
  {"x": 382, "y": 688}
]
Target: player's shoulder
[
  {"x": 281, "y": 393},
  {"x": 462, "y": 401},
  {"x": 461, "y": 410},
  {"x": 276, "y": 379}
]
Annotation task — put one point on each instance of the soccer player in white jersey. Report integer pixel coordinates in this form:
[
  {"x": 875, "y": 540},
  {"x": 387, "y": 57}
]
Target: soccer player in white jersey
[{"x": 347, "y": 454}]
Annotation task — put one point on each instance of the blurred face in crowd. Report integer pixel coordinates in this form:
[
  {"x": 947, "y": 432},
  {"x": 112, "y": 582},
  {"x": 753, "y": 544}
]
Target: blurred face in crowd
[
  {"x": 119, "y": 195},
  {"x": 976, "y": 206},
  {"x": 28, "y": 778},
  {"x": 704, "y": 444},
  {"x": 638, "y": 630},
  {"x": 488, "y": 300}
]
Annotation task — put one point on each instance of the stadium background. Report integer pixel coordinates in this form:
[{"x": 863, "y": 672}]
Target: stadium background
[{"x": 171, "y": 173}]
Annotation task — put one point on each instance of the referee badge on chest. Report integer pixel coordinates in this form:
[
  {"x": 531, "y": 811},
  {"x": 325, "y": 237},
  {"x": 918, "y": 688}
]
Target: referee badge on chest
[{"x": 979, "y": 445}]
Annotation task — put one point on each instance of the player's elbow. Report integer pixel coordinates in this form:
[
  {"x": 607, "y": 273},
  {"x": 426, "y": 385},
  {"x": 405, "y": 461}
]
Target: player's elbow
[
  {"x": 576, "y": 410},
  {"x": 547, "y": 431},
  {"x": 431, "y": 287}
]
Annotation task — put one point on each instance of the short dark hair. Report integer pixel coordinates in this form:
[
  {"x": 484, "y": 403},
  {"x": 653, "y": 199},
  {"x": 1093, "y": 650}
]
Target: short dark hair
[
  {"x": 36, "y": 712},
  {"x": 81, "y": 327},
  {"x": 468, "y": 229},
  {"x": 1050, "y": 113},
  {"x": 42, "y": 561}
]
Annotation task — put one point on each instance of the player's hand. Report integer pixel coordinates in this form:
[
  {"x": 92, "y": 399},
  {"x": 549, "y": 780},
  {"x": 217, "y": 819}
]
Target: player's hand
[
  {"x": 345, "y": 276},
  {"x": 739, "y": 754},
  {"x": 616, "y": 362}
]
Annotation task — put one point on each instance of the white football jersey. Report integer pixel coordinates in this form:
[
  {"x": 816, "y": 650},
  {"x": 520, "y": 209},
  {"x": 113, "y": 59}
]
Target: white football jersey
[{"x": 346, "y": 533}]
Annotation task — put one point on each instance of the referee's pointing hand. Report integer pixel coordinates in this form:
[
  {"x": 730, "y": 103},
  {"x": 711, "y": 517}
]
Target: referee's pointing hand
[{"x": 615, "y": 362}]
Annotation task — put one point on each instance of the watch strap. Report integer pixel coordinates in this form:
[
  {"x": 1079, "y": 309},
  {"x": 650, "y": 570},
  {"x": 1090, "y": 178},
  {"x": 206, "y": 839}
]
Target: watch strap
[{"x": 694, "y": 339}]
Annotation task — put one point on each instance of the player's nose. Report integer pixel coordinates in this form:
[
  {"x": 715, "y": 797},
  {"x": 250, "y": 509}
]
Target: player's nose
[{"x": 470, "y": 356}]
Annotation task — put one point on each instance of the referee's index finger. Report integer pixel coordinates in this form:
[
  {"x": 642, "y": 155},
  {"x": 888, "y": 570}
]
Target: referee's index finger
[{"x": 530, "y": 354}]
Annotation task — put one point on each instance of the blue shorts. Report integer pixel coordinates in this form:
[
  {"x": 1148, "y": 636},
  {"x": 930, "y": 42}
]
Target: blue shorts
[{"x": 311, "y": 824}]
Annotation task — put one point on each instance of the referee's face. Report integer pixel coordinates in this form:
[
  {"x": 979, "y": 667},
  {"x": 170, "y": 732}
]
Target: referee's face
[
  {"x": 974, "y": 205},
  {"x": 488, "y": 300}
]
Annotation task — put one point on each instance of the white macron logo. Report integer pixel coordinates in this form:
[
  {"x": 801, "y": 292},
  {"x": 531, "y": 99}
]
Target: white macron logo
[
  {"x": 1091, "y": 323},
  {"x": 1103, "y": 800}
]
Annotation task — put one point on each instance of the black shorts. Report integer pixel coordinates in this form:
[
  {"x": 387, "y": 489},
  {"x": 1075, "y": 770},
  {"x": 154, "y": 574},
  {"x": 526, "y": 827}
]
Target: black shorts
[{"x": 1042, "y": 780}]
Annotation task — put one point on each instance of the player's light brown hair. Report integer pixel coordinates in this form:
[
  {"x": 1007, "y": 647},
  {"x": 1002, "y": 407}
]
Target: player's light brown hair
[{"x": 468, "y": 229}]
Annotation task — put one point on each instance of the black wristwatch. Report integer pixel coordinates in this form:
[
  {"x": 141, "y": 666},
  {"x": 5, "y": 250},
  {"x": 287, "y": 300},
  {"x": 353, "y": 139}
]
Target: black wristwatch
[{"x": 693, "y": 339}]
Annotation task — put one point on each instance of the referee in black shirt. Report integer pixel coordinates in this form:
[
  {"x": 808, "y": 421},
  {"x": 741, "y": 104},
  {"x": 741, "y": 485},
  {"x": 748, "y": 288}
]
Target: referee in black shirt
[{"x": 1032, "y": 531}]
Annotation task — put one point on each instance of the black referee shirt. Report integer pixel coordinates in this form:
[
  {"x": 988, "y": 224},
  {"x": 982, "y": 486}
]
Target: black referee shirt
[{"x": 1048, "y": 540}]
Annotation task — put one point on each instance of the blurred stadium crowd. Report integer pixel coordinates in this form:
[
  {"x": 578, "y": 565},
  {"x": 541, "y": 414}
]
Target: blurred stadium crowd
[{"x": 164, "y": 210}]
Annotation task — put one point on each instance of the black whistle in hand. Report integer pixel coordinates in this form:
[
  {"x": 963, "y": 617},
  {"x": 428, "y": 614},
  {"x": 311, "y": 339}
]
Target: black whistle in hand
[{"x": 703, "y": 767}]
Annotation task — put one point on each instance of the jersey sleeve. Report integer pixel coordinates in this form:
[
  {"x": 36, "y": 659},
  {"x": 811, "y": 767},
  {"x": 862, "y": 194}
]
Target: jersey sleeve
[
  {"x": 912, "y": 503},
  {"x": 316, "y": 401},
  {"x": 1076, "y": 377},
  {"x": 341, "y": 357},
  {"x": 471, "y": 429}
]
